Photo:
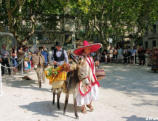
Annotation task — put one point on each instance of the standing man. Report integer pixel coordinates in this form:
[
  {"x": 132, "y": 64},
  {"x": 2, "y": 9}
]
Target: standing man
[
  {"x": 120, "y": 54},
  {"x": 5, "y": 59},
  {"x": 59, "y": 55},
  {"x": 44, "y": 52}
]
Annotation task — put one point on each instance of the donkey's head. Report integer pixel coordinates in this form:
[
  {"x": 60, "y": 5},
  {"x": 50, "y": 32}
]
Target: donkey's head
[
  {"x": 83, "y": 69},
  {"x": 80, "y": 64}
]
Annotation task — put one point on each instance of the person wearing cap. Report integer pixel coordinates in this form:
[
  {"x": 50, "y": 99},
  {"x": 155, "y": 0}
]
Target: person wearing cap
[
  {"x": 87, "y": 92},
  {"x": 59, "y": 55}
]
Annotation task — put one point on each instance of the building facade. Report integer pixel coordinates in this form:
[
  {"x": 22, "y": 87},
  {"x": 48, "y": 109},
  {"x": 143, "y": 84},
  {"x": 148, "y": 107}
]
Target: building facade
[{"x": 150, "y": 40}]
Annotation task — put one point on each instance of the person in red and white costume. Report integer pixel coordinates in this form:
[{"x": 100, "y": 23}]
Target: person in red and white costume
[{"x": 87, "y": 90}]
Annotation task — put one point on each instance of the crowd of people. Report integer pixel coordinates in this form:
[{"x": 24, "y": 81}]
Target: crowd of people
[
  {"x": 126, "y": 55},
  {"x": 16, "y": 59},
  {"x": 19, "y": 58}
]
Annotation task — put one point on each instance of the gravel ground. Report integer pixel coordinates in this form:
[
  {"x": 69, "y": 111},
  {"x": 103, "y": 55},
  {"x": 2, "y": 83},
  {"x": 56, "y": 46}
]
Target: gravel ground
[{"x": 128, "y": 93}]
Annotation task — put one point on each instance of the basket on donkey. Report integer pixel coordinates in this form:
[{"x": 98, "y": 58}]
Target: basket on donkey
[{"x": 57, "y": 76}]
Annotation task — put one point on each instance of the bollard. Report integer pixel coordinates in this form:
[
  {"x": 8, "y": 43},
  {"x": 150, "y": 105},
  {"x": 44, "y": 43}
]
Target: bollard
[{"x": 0, "y": 81}]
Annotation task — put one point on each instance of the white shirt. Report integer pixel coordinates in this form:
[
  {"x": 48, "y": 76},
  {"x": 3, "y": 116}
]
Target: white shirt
[{"x": 58, "y": 54}]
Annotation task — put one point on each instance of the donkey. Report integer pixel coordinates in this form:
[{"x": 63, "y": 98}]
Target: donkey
[
  {"x": 57, "y": 87},
  {"x": 71, "y": 86},
  {"x": 77, "y": 73},
  {"x": 38, "y": 62}
]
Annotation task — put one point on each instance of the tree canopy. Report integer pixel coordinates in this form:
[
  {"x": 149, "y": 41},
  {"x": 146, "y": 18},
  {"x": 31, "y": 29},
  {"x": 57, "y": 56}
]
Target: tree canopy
[{"x": 101, "y": 19}]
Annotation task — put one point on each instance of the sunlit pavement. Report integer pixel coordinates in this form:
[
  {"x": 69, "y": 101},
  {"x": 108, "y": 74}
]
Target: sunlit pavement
[{"x": 128, "y": 93}]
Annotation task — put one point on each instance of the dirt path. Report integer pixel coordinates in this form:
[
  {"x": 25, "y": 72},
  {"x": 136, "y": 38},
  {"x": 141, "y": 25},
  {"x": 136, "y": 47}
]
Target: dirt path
[{"x": 129, "y": 93}]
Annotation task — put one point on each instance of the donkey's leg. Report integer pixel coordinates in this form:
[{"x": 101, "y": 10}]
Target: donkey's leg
[
  {"x": 66, "y": 101},
  {"x": 40, "y": 85},
  {"x": 58, "y": 98},
  {"x": 38, "y": 76},
  {"x": 39, "y": 80},
  {"x": 54, "y": 92},
  {"x": 43, "y": 75},
  {"x": 75, "y": 106}
]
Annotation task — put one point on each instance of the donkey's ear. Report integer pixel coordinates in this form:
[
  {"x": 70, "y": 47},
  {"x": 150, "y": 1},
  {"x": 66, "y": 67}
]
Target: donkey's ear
[
  {"x": 80, "y": 59},
  {"x": 73, "y": 58}
]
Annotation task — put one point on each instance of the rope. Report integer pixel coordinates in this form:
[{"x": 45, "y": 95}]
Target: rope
[{"x": 13, "y": 66}]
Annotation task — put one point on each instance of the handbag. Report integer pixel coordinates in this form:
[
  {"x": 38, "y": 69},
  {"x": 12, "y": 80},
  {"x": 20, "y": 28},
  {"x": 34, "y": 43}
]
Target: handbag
[{"x": 100, "y": 73}]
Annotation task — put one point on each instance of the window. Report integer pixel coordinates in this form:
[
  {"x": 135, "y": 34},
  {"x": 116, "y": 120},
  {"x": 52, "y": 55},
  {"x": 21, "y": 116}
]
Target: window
[
  {"x": 146, "y": 45},
  {"x": 154, "y": 28},
  {"x": 154, "y": 43}
]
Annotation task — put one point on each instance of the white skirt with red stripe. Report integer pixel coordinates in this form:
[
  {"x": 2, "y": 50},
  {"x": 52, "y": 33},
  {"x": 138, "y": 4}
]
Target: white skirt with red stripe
[{"x": 89, "y": 97}]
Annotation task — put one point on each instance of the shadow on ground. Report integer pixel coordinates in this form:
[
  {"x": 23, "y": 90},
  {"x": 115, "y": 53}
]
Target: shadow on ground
[
  {"x": 27, "y": 84},
  {"x": 46, "y": 108},
  {"x": 148, "y": 102},
  {"x": 135, "y": 118},
  {"x": 130, "y": 79}
]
